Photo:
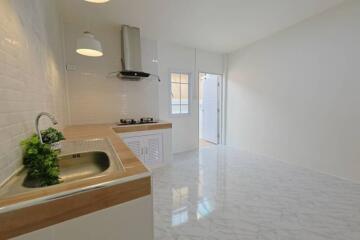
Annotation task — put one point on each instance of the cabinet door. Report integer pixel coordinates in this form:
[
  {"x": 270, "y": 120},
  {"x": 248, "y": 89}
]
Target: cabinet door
[
  {"x": 153, "y": 149},
  {"x": 136, "y": 146}
]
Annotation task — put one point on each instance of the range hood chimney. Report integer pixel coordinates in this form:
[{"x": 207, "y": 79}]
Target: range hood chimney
[{"x": 131, "y": 55}]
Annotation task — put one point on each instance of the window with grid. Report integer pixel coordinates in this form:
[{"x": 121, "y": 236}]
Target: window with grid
[{"x": 180, "y": 86}]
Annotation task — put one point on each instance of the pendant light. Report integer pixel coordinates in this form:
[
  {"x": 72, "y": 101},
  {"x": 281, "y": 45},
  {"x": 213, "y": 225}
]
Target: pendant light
[
  {"x": 87, "y": 45},
  {"x": 97, "y": 1}
]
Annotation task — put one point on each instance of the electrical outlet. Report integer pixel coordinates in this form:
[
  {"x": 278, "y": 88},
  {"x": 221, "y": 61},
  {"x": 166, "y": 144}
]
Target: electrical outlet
[{"x": 71, "y": 67}]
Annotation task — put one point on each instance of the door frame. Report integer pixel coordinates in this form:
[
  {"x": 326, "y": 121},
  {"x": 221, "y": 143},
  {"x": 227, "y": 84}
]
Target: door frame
[{"x": 220, "y": 104}]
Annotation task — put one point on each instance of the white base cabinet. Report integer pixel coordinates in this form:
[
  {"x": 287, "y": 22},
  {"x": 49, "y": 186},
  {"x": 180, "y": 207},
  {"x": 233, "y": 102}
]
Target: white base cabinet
[
  {"x": 153, "y": 147},
  {"x": 147, "y": 148},
  {"x": 132, "y": 220}
]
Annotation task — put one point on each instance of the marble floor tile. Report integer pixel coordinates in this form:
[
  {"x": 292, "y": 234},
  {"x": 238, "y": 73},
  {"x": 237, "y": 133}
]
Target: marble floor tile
[{"x": 222, "y": 193}]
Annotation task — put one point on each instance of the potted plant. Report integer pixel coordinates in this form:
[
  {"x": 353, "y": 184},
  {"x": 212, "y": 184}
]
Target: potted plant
[
  {"x": 41, "y": 159},
  {"x": 53, "y": 137},
  {"x": 41, "y": 162}
]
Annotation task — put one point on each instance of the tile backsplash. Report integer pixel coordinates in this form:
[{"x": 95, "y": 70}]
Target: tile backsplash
[{"x": 32, "y": 76}]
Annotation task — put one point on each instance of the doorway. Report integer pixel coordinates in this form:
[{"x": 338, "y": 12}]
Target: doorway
[{"x": 209, "y": 109}]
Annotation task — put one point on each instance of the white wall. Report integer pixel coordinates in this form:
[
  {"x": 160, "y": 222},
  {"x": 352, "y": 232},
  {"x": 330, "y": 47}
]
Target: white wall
[
  {"x": 295, "y": 96},
  {"x": 96, "y": 98},
  {"x": 32, "y": 76},
  {"x": 174, "y": 57}
]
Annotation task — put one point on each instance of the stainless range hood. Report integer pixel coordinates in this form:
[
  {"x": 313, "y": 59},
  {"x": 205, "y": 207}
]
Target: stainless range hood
[{"x": 131, "y": 55}]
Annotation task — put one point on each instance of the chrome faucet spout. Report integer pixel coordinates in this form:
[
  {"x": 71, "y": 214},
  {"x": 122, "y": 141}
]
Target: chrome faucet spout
[{"x": 51, "y": 117}]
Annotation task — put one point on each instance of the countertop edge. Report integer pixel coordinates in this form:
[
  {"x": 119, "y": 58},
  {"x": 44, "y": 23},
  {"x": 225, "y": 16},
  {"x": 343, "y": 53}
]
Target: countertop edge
[{"x": 64, "y": 194}]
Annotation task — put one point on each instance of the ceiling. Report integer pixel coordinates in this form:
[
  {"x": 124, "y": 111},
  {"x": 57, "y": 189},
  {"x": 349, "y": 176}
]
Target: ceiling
[{"x": 213, "y": 25}]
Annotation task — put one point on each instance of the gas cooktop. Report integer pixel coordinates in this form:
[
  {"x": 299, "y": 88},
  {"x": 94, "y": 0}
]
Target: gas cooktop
[{"x": 132, "y": 121}]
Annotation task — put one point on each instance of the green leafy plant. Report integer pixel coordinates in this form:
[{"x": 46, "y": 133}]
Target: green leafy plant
[
  {"x": 51, "y": 135},
  {"x": 41, "y": 162}
]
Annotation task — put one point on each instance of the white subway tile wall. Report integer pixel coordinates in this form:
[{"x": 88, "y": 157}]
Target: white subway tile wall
[{"x": 32, "y": 76}]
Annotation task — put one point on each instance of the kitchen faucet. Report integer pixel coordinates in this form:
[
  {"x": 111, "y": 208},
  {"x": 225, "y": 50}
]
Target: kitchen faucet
[{"x": 51, "y": 117}]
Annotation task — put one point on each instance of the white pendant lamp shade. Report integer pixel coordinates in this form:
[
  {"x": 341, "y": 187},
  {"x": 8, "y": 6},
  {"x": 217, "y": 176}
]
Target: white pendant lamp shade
[
  {"x": 87, "y": 45},
  {"x": 97, "y": 1}
]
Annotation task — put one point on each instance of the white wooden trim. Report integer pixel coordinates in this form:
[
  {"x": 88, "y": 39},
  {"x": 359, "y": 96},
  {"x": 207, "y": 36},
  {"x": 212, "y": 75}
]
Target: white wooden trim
[{"x": 190, "y": 91}]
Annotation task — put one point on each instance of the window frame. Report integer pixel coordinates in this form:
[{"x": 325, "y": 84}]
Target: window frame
[{"x": 190, "y": 78}]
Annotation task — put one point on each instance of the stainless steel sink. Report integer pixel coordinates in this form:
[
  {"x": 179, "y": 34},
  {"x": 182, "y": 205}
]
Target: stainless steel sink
[
  {"x": 83, "y": 165},
  {"x": 77, "y": 166},
  {"x": 79, "y": 160}
]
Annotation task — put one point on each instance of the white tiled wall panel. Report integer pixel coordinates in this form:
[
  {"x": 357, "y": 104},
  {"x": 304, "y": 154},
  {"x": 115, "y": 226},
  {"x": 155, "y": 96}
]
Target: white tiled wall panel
[{"x": 32, "y": 77}]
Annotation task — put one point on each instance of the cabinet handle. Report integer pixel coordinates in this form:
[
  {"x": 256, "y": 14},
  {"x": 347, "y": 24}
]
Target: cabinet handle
[
  {"x": 146, "y": 150},
  {"x": 142, "y": 151}
]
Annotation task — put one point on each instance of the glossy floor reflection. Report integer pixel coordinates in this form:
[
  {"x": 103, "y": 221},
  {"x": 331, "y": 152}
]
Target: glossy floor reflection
[{"x": 222, "y": 193}]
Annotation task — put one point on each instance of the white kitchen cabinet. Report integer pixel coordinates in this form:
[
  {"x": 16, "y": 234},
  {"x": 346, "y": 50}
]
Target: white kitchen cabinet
[
  {"x": 148, "y": 148},
  {"x": 136, "y": 146},
  {"x": 152, "y": 147},
  {"x": 118, "y": 222}
]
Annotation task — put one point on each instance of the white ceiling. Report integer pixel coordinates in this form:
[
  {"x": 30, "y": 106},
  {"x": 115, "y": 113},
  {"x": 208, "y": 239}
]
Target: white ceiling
[{"x": 214, "y": 25}]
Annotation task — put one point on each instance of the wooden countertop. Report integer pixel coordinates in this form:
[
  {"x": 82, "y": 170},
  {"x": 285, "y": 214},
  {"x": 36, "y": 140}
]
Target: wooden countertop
[
  {"x": 13, "y": 223},
  {"x": 141, "y": 127}
]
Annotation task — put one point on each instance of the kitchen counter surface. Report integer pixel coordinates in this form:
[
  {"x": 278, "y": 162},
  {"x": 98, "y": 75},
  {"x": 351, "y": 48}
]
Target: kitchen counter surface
[
  {"x": 135, "y": 183},
  {"x": 141, "y": 127}
]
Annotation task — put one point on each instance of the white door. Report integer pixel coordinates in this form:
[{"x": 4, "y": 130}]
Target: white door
[
  {"x": 136, "y": 146},
  {"x": 210, "y": 108},
  {"x": 153, "y": 149}
]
